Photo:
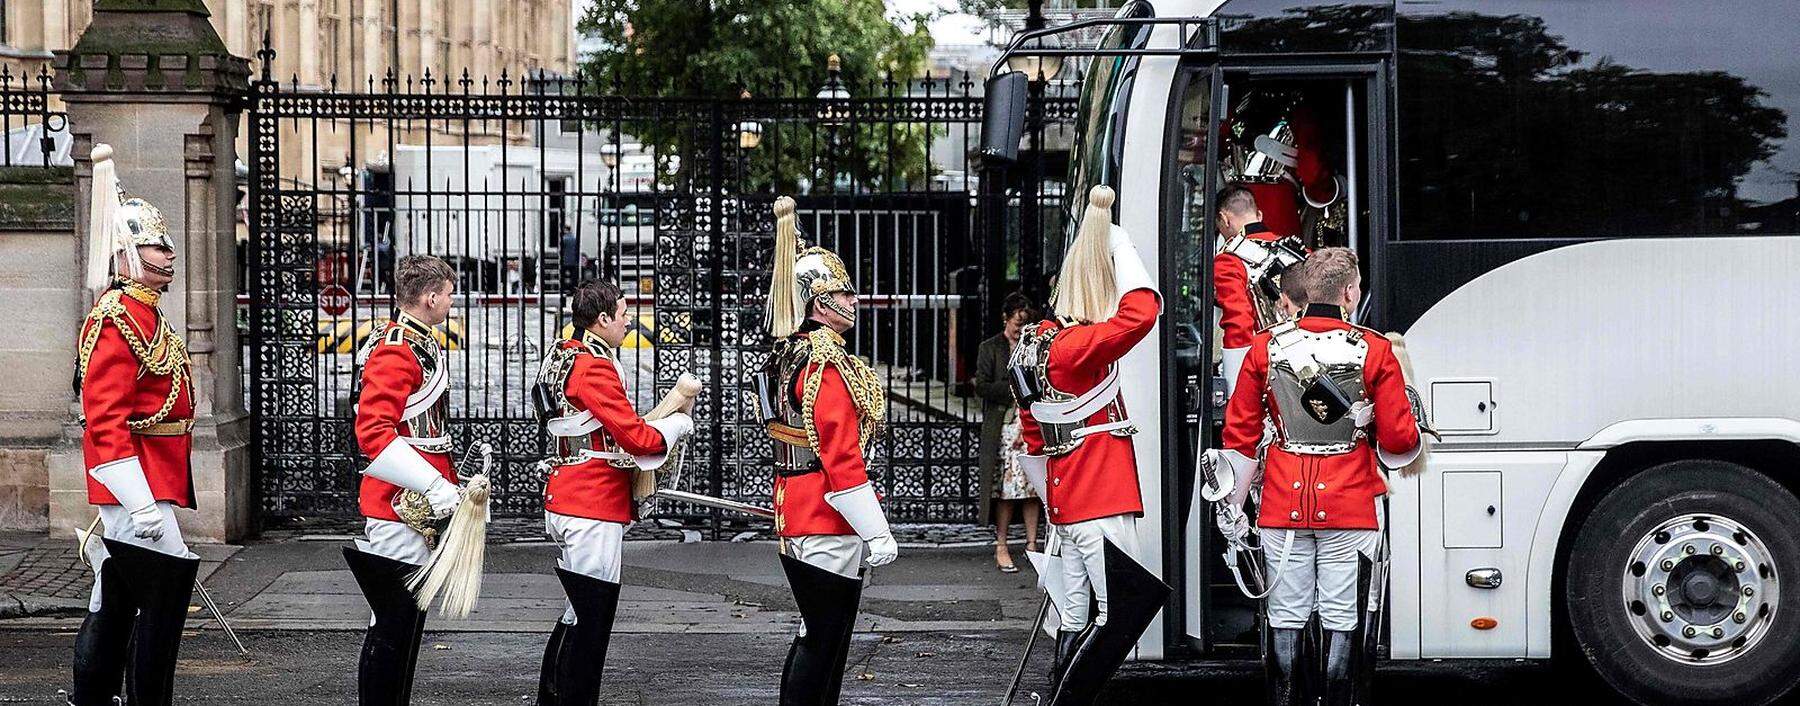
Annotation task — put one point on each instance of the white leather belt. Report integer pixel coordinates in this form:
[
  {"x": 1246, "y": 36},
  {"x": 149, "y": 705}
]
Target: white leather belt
[
  {"x": 573, "y": 425},
  {"x": 1083, "y": 406},
  {"x": 426, "y": 441}
]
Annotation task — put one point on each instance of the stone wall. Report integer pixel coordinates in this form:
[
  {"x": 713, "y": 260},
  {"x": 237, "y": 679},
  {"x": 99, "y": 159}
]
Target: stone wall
[{"x": 42, "y": 309}]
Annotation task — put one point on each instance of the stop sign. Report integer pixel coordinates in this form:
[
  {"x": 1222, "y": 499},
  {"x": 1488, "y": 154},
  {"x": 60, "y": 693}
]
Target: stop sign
[{"x": 334, "y": 299}]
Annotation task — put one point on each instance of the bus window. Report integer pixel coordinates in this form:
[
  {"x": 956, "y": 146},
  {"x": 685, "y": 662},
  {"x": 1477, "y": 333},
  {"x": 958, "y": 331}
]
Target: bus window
[{"x": 1609, "y": 118}]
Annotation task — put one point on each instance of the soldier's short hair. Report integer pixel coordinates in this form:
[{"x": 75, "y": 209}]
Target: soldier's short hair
[
  {"x": 1237, "y": 199},
  {"x": 1293, "y": 285},
  {"x": 593, "y": 298},
  {"x": 417, "y": 275},
  {"x": 1326, "y": 273}
]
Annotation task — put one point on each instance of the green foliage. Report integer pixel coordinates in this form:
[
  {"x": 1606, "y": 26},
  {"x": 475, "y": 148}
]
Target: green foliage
[{"x": 715, "y": 49}]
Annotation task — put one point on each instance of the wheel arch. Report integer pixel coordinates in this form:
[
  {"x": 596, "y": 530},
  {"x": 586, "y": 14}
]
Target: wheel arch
[{"x": 1777, "y": 457}]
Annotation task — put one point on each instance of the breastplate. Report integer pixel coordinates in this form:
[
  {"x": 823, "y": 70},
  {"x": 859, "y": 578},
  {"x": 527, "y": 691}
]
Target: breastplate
[
  {"x": 427, "y": 414},
  {"x": 577, "y": 436},
  {"x": 780, "y": 410},
  {"x": 1062, "y": 416},
  {"x": 1314, "y": 376},
  {"x": 1264, "y": 263}
]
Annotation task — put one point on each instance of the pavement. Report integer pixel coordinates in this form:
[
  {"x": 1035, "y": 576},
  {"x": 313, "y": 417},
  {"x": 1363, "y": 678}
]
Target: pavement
[{"x": 699, "y": 624}]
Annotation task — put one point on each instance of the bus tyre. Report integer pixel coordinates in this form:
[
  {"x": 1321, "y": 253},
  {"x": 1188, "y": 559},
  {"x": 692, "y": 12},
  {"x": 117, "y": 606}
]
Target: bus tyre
[{"x": 1682, "y": 586}]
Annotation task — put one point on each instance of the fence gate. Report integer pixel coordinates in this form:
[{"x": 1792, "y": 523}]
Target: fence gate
[{"x": 527, "y": 184}]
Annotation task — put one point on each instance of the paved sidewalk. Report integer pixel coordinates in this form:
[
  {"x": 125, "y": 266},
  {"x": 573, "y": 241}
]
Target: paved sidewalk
[{"x": 670, "y": 587}]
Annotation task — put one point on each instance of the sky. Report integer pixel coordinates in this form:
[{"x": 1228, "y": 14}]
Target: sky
[{"x": 953, "y": 28}]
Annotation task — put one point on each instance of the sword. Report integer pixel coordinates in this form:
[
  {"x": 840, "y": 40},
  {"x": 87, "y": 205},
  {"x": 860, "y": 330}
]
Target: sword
[
  {"x": 1019, "y": 671},
  {"x": 720, "y": 503},
  {"x": 206, "y": 598}
]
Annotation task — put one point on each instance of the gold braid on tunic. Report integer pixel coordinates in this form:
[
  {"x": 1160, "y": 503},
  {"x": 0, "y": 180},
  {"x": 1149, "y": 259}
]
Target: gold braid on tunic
[
  {"x": 826, "y": 347},
  {"x": 164, "y": 354}
]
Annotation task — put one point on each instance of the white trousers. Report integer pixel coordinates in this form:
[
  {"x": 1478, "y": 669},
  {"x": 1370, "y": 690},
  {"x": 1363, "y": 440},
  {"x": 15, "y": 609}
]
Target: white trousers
[
  {"x": 115, "y": 522},
  {"x": 1316, "y": 571},
  {"x": 394, "y": 540},
  {"x": 840, "y": 554},
  {"x": 1084, "y": 565},
  {"x": 592, "y": 548}
]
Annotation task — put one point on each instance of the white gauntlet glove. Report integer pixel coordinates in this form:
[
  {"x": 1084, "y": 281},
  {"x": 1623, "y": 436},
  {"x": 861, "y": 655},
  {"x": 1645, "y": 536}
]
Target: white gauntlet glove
[
  {"x": 860, "y": 508},
  {"x": 1233, "y": 523},
  {"x": 402, "y": 465},
  {"x": 125, "y": 479}
]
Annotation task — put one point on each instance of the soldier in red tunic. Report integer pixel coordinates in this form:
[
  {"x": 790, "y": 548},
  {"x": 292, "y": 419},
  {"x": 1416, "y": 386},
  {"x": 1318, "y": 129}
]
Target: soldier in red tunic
[
  {"x": 137, "y": 407},
  {"x": 401, "y": 416},
  {"x": 821, "y": 406},
  {"x": 600, "y": 443},
  {"x": 1341, "y": 410},
  {"x": 1247, "y": 276},
  {"x": 1066, "y": 375}
]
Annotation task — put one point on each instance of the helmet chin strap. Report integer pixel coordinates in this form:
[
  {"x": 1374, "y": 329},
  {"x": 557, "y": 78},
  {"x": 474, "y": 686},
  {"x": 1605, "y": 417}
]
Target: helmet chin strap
[
  {"x": 160, "y": 270},
  {"x": 833, "y": 304}
]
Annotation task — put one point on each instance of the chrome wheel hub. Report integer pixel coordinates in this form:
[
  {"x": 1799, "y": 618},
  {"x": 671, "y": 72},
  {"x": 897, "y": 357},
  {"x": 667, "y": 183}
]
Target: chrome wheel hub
[{"x": 1700, "y": 589}]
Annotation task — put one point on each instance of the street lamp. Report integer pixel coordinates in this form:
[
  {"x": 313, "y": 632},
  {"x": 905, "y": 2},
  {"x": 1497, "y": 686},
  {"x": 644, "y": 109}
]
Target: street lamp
[
  {"x": 609, "y": 155},
  {"x": 1038, "y": 69},
  {"x": 749, "y": 132},
  {"x": 833, "y": 97}
]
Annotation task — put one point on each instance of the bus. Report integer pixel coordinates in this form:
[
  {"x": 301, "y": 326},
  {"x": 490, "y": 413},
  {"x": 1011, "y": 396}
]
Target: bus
[{"x": 1582, "y": 218}]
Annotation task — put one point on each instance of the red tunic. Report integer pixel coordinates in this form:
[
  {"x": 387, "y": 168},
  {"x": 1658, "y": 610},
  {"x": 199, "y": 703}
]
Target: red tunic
[
  {"x": 596, "y": 489},
  {"x": 391, "y": 374},
  {"x": 1231, "y": 293},
  {"x": 116, "y": 389},
  {"x": 1099, "y": 478},
  {"x": 800, "y": 507},
  {"x": 1302, "y": 491}
]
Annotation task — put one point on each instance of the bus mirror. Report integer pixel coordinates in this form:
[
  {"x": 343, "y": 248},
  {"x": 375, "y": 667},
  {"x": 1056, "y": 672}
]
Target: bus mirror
[{"x": 1003, "y": 116}]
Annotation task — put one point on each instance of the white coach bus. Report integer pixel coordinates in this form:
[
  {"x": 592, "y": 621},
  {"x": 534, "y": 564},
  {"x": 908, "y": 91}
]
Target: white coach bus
[{"x": 1583, "y": 218}]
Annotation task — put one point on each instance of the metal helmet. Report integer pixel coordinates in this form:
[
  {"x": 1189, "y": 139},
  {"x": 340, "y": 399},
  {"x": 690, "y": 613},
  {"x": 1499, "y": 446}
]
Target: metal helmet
[
  {"x": 802, "y": 277},
  {"x": 118, "y": 223}
]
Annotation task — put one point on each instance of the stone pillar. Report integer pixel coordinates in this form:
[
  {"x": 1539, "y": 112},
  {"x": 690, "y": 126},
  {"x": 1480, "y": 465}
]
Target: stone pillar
[{"x": 153, "y": 79}]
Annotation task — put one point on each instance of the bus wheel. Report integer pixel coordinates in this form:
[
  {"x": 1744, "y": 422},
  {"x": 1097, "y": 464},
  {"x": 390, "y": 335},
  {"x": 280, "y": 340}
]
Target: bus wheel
[{"x": 1680, "y": 585}]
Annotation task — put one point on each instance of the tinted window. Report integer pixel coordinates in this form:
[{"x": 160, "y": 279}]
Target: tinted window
[
  {"x": 1286, "y": 26},
  {"x": 1100, "y": 115},
  {"x": 1605, "y": 118}
]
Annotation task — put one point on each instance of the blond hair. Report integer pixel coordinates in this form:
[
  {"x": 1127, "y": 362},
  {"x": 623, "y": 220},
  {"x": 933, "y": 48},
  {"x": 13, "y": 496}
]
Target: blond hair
[
  {"x": 1326, "y": 273},
  {"x": 1085, "y": 288}
]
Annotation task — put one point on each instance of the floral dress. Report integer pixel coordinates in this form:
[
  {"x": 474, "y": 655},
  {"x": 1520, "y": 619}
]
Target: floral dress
[{"x": 1012, "y": 476}]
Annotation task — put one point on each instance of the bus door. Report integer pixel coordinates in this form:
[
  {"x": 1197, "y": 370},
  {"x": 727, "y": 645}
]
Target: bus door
[{"x": 1322, "y": 178}]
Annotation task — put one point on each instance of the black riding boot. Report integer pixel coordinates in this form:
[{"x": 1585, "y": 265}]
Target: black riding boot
[
  {"x": 1133, "y": 597},
  {"x": 1281, "y": 667},
  {"x": 583, "y": 654},
  {"x": 547, "y": 673},
  {"x": 161, "y": 585},
  {"x": 1066, "y": 640},
  {"x": 814, "y": 672},
  {"x": 390, "y": 649},
  {"x": 102, "y": 642}
]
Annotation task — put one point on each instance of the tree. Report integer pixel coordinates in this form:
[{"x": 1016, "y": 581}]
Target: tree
[{"x": 718, "y": 49}]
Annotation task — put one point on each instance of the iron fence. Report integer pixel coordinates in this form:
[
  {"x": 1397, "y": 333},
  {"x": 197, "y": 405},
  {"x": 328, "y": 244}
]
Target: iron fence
[
  {"x": 34, "y": 130},
  {"x": 528, "y": 184}
]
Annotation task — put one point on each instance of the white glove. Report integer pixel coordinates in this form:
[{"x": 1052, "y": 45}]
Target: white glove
[
  {"x": 125, "y": 479},
  {"x": 402, "y": 465},
  {"x": 1362, "y": 413},
  {"x": 860, "y": 508},
  {"x": 1129, "y": 272},
  {"x": 1287, "y": 155},
  {"x": 444, "y": 496},
  {"x": 1233, "y": 523},
  {"x": 883, "y": 550}
]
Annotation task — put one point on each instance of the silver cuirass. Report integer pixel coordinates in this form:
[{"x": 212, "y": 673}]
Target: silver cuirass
[
  {"x": 780, "y": 412},
  {"x": 1264, "y": 263},
  {"x": 577, "y": 435},
  {"x": 1314, "y": 377},
  {"x": 1062, "y": 416}
]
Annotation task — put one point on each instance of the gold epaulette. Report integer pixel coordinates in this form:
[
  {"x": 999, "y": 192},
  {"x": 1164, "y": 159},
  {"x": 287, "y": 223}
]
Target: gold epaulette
[{"x": 867, "y": 393}]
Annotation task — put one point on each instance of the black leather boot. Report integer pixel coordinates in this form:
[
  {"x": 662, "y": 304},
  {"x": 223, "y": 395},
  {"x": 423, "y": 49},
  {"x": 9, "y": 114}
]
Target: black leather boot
[
  {"x": 1133, "y": 598},
  {"x": 1281, "y": 667},
  {"x": 102, "y": 643},
  {"x": 582, "y": 660},
  {"x": 161, "y": 585},
  {"x": 814, "y": 672},
  {"x": 547, "y": 673},
  {"x": 390, "y": 649}
]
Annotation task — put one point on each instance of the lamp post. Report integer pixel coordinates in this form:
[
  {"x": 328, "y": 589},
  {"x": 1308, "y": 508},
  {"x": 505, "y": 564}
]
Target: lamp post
[
  {"x": 834, "y": 111},
  {"x": 1040, "y": 70}
]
